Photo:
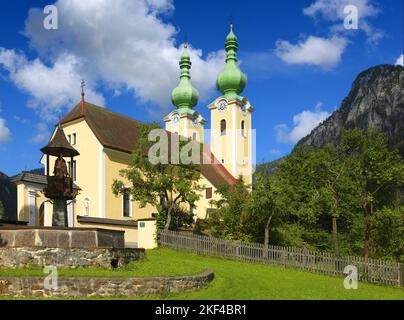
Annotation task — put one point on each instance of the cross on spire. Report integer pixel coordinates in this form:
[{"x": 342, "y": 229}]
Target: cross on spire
[
  {"x": 186, "y": 41},
  {"x": 82, "y": 85}
]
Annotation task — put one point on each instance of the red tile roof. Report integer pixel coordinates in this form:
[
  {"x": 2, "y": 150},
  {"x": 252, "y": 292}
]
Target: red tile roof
[{"x": 119, "y": 132}]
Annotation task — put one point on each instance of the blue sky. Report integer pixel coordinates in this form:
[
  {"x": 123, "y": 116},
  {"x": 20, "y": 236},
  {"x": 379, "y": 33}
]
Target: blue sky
[{"x": 299, "y": 58}]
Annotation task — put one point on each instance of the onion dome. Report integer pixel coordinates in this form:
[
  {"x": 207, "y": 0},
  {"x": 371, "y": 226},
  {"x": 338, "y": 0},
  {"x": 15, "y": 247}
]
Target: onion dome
[
  {"x": 231, "y": 81},
  {"x": 185, "y": 96}
]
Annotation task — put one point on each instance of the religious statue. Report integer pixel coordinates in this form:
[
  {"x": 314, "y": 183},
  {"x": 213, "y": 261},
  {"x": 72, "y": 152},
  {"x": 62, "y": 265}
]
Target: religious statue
[
  {"x": 61, "y": 180},
  {"x": 60, "y": 169}
]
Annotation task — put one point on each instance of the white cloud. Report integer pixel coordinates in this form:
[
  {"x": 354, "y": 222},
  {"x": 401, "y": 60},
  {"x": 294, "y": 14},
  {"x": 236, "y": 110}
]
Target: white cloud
[
  {"x": 118, "y": 44},
  {"x": 5, "y": 134},
  {"x": 322, "y": 52},
  {"x": 400, "y": 61},
  {"x": 42, "y": 134},
  {"x": 304, "y": 123},
  {"x": 50, "y": 88},
  {"x": 333, "y": 11}
]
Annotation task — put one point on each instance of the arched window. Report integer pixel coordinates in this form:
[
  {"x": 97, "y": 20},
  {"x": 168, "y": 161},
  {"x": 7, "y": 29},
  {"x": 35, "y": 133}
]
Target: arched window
[
  {"x": 243, "y": 133},
  {"x": 223, "y": 127},
  {"x": 194, "y": 136}
]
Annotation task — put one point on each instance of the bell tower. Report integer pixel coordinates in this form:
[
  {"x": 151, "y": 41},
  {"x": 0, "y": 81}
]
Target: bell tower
[
  {"x": 185, "y": 120},
  {"x": 231, "y": 121}
]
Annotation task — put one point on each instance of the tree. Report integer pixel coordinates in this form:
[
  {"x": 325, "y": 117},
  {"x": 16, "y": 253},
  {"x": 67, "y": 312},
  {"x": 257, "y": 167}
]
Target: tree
[
  {"x": 3, "y": 214},
  {"x": 171, "y": 188},
  {"x": 377, "y": 172},
  {"x": 230, "y": 220},
  {"x": 266, "y": 203}
]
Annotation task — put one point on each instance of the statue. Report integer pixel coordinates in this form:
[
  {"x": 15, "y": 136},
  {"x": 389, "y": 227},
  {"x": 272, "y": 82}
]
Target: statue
[
  {"x": 60, "y": 173},
  {"x": 59, "y": 186},
  {"x": 60, "y": 169}
]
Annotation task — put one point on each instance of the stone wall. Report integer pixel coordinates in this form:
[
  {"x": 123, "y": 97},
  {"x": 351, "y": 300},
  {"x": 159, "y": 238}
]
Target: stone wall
[
  {"x": 69, "y": 258},
  {"x": 102, "y": 287},
  {"x": 61, "y": 237}
]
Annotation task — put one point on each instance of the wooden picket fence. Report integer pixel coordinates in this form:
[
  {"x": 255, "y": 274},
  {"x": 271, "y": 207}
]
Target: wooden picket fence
[{"x": 372, "y": 270}]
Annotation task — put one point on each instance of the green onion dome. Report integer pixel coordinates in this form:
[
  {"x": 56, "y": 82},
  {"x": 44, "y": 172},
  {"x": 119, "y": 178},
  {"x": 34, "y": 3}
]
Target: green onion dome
[
  {"x": 185, "y": 96},
  {"x": 231, "y": 81}
]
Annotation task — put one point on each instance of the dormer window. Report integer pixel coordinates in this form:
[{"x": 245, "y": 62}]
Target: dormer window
[{"x": 72, "y": 138}]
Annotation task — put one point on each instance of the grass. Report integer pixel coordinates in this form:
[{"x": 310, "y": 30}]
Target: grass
[{"x": 233, "y": 280}]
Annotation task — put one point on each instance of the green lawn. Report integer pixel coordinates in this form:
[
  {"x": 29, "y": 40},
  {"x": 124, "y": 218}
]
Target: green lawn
[{"x": 235, "y": 280}]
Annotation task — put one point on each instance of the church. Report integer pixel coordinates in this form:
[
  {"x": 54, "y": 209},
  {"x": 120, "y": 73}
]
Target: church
[{"x": 105, "y": 140}]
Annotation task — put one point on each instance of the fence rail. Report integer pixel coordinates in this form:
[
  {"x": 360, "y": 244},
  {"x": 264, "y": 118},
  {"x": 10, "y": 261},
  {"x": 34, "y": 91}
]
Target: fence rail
[{"x": 372, "y": 270}]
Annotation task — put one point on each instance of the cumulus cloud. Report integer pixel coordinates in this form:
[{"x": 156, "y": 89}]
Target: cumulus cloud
[
  {"x": 333, "y": 11},
  {"x": 400, "y": 61},
  {"x": 303, "y": 124},
  {"x": 42, "y": 133},
  {"x": 5, "y": 134},
  {"x": 50, "y": 87},
  {"x": 322, "y": 52},
  {"x": 119, "y": 44}
]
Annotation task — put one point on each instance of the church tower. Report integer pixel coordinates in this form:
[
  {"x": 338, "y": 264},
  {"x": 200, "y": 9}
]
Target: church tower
[
  {"x": 231, "y": 134},
  {"x": 185, "y": 120}
]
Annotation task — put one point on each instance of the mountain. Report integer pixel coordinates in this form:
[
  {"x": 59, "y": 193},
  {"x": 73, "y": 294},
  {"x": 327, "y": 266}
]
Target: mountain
[
  {"x": 8, "y": 196},
  {"x": 375, "y": 100}
]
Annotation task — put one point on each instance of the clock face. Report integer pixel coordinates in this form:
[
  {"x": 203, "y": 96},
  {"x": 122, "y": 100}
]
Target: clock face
[
  {"x": 195, "y": 121},
  {"x": 176, "y": 119},
  {"x": 222, "y": 106}
]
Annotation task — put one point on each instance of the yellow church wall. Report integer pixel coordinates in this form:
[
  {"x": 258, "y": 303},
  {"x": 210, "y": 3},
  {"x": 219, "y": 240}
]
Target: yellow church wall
[
  {"x": 24, "y": 203},
  {"x": 147, "y": 234},
  {"x": 232, "y": 147},
  {"x": 88, "y": 165},
  {"x": 203, "y": 204},
  {"x": 131, "y": 233},
  {"x": 116, "y": 161}
]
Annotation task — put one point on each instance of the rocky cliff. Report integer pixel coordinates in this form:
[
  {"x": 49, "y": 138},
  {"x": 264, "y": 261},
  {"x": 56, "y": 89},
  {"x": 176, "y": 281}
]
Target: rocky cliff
[
  {"x": 8, "y": 196},
  {"x": 375, "y": 100}
]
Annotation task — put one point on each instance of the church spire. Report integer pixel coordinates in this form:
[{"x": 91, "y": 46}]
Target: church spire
[
  {"x": 231, "y": 81},
  {"x": 185, "y": 96}
]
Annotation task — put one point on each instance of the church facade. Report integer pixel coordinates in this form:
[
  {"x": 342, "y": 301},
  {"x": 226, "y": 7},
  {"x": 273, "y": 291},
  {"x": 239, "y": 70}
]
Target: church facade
[{"x": 106, "y": 139}]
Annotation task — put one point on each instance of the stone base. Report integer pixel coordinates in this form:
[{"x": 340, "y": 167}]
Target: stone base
[
  {"x": 53, "y": 237},
  {"x": 102, "y": 287},
  {"x": 69, "y": 258}
]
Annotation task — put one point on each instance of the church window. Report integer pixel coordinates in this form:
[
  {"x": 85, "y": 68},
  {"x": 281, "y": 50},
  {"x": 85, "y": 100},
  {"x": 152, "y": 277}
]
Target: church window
[
  {"x": 71, "y": 168},
  {"x": 72, "y": 138},
  {"x": 126, "y": 203},
  {"x": 223, "y": 127},
  {"x": 243, "y": 132},
  {"x": 194, "y": 136},
  {"x": 209, "y": 193}
]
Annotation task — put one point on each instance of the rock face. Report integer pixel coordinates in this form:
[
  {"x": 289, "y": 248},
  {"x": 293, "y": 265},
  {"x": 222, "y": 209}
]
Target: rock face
[
  {"x": 8, "y": 196},
  {"x": 375, "y": 100}
]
